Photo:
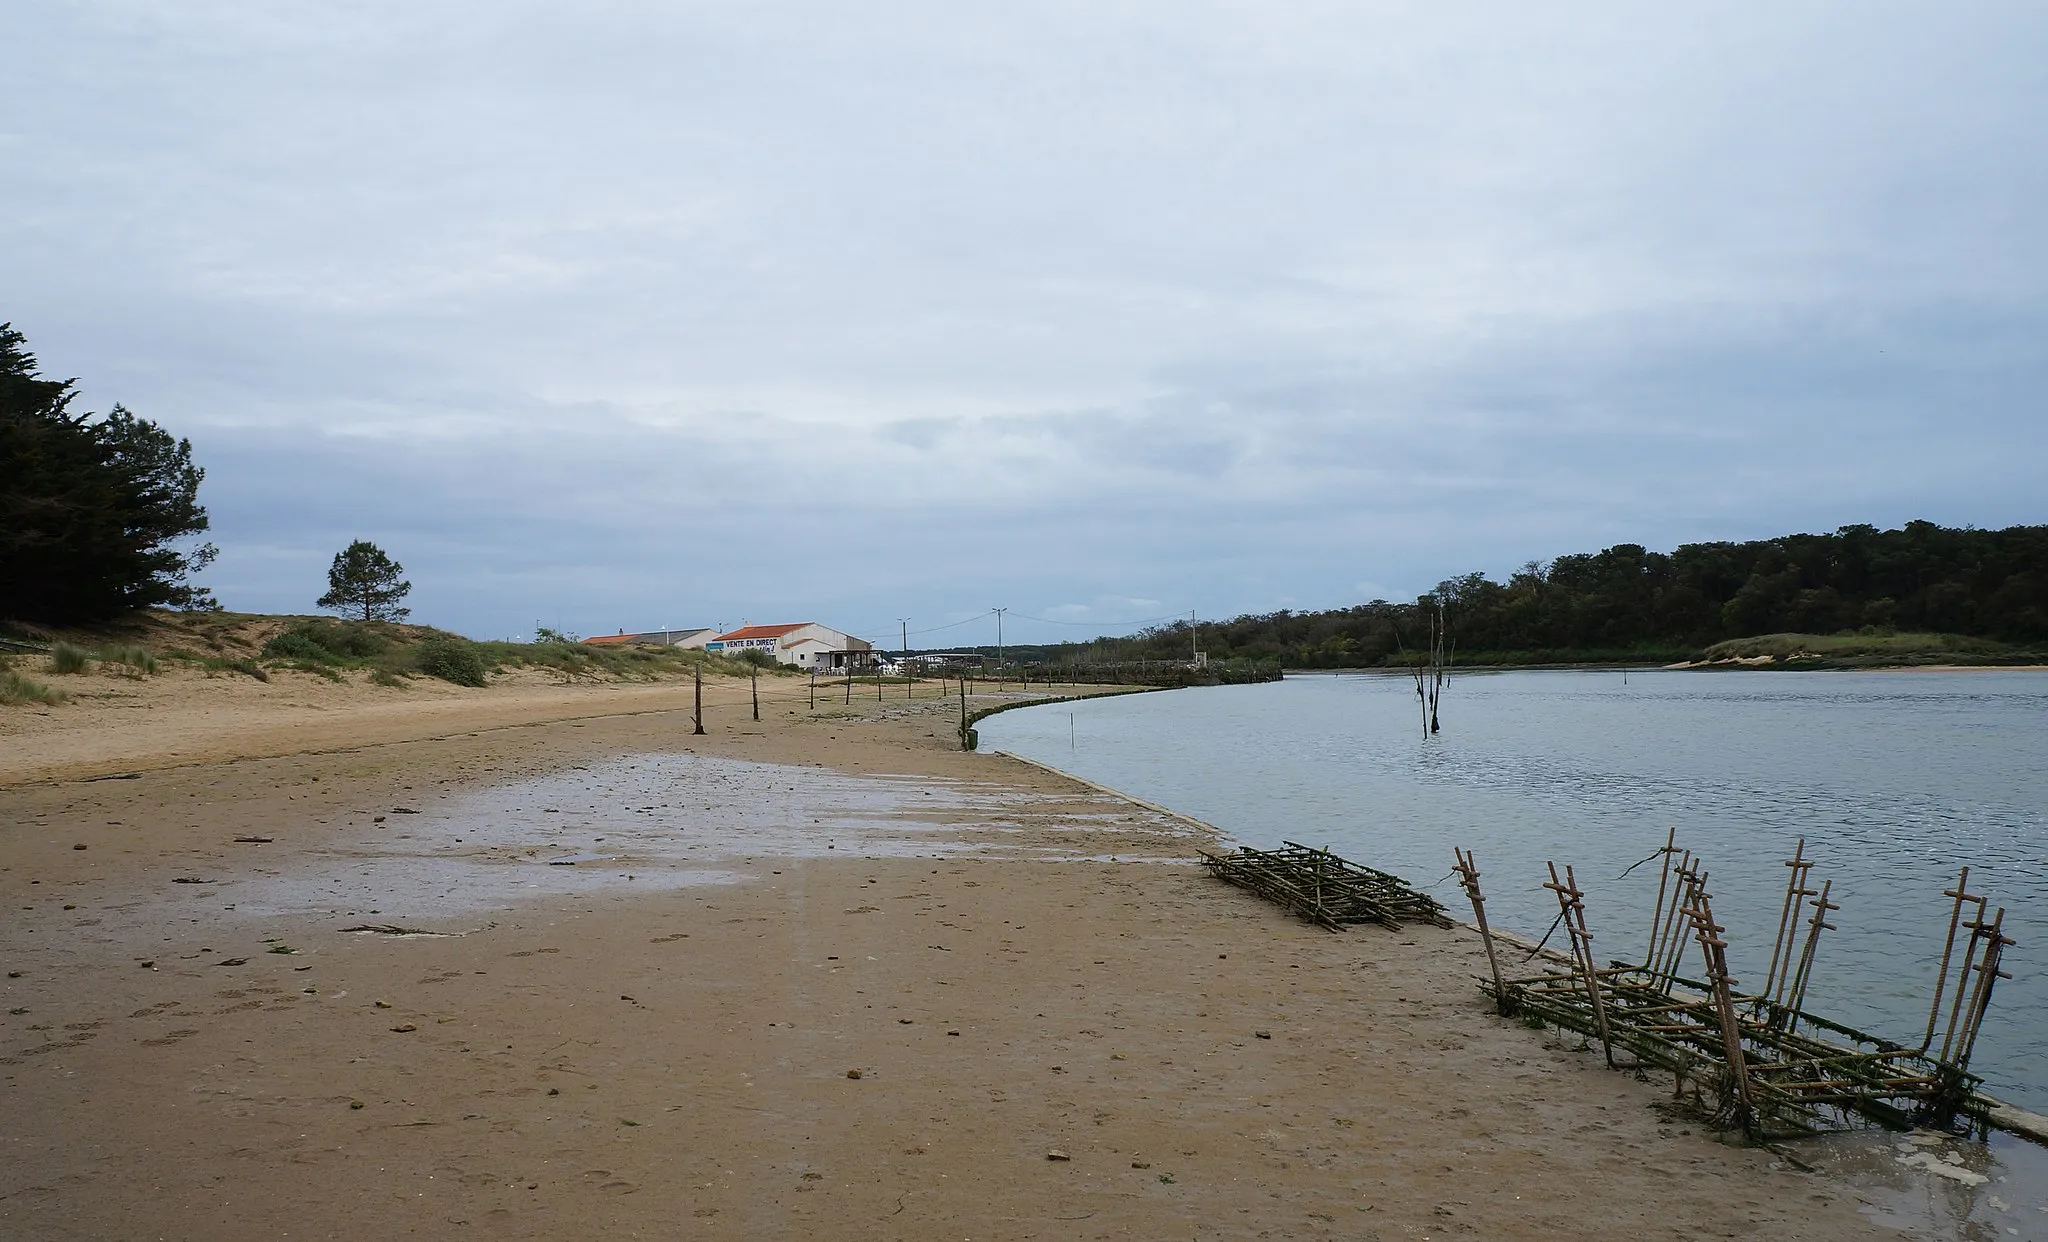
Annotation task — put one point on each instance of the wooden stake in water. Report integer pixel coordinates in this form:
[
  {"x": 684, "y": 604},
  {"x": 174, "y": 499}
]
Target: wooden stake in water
[
  {"x": 1663, "y": 884},
  {"x": 1796, "y": 892},
  {"x": 1796, "y": 998},
  {"x": 1961, "y": 893},
  {"x": 1700, "y": 911}
]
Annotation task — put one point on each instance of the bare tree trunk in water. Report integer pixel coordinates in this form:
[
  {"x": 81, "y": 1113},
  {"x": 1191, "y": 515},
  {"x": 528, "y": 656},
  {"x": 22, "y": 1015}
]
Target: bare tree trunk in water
[{"x": 1432, "y": 668}]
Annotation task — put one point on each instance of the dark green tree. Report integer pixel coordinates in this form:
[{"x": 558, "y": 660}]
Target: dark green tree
[
  {"x": 364, "y": 580},
  {"x": 91, "y": 511}
]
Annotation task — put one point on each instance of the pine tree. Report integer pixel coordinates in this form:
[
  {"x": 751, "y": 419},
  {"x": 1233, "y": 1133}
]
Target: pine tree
[
  {"x": 91, "y": 510},
  {"x": 363, "y": 579}
]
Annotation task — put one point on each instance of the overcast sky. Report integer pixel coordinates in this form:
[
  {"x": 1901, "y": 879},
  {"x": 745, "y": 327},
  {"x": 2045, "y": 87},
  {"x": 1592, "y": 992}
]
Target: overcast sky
[{"x": 619, "y": 315}]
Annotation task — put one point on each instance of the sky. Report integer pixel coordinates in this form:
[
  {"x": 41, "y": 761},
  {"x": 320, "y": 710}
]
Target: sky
[{"x": 623, "y": 316}]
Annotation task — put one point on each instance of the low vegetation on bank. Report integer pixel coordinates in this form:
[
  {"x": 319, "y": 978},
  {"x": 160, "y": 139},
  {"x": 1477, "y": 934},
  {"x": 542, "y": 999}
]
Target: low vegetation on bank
[
  {"x": 380, "y": 652},
  {"x": 1820, "y": 651}
]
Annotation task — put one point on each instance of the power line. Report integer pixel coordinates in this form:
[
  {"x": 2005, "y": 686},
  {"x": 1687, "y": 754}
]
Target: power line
[{"x": 1173, "y": 616}]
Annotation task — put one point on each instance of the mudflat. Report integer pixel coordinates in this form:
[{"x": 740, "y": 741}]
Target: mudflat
[{"x": 538, "y": 962}]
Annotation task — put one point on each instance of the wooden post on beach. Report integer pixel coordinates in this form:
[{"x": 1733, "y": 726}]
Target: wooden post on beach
[
  {"x": 814, "y": 687},
  {"x": 963, "y": 713},
  {"x": 878, "y": 685},
  {"x": 697, "y": 714},
  {"x": 849, "y": 683},
  {"x": 1468, "y": 879},
  {"x": 754, "y": 684}
]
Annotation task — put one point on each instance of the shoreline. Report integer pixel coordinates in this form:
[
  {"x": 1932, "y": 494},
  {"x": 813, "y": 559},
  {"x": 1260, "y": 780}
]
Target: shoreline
[{"x": 1137, "y": 1047}]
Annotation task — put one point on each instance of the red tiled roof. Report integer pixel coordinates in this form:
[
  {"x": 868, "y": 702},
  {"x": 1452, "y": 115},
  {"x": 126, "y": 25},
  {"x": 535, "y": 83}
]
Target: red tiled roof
[
  {"x": 761, "y": 631},
  {"x": 609, "y": 640}
]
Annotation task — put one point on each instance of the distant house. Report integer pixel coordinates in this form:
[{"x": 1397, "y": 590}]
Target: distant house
[{"x": 802, "y": 644}]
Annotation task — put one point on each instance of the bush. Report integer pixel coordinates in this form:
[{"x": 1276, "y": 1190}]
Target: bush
[
  {"x": 327, "y": 642},
  {"x": 65, "y": 658},
  {"x": 224, "y": 664},
  {"x": 16, "y": 689},
  {"x": 351, "y": 640},
  {"x": 451, "y": 659},
  {"x": 296, "y": 645}
]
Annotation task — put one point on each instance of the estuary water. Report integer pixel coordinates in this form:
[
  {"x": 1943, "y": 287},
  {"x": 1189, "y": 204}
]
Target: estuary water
[{"x": 1895, "y": 780}]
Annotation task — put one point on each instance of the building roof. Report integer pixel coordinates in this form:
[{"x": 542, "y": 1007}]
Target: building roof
[
  {"x": 610, "y": 640},
  {"x": 762, "y": 631}
]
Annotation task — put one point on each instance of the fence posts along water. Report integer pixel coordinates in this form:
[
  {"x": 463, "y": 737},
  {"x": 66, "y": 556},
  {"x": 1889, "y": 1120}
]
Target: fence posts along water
[{"x": 1773, "y": 1067}]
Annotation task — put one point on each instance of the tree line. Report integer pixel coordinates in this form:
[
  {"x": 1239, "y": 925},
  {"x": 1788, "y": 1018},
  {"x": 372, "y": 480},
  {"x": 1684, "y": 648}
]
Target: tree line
[
  {"x": 1627, "y": 602},
  {"x": 99, "y": 515}
]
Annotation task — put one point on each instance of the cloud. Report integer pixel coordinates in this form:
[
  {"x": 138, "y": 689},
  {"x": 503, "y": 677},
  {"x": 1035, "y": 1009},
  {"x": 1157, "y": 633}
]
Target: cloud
[{"x": 667, "y": 312}]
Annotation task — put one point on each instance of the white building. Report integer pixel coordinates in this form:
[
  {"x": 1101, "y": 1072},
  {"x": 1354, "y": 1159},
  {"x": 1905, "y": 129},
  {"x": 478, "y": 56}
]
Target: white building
[{"x": 805, "y": 644}]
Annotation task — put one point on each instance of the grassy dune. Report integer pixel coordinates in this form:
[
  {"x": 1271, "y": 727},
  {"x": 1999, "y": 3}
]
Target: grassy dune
[
  {"x": 255, "y": 645},
  {"x": 1811, "y": 651}
]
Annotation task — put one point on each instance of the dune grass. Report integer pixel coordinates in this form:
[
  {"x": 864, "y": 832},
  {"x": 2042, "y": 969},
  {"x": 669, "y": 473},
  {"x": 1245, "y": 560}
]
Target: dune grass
[{"x": 16, "y": 690}]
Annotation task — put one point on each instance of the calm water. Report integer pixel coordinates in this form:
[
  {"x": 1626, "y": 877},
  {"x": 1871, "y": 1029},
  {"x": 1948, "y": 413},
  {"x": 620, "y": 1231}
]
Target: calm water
[{"x": 1895, "y": 780}]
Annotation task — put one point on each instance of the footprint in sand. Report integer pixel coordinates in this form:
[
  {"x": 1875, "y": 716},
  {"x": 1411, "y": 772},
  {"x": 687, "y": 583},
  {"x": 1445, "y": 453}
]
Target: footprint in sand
[
  {"x": 247, "y": 1004},
  {"x": 169, "y": 1039},
  {"x": 155, "y": 1009},
  {"x": 57, "y": 1045},
  {"x": 673, "y": 936}
]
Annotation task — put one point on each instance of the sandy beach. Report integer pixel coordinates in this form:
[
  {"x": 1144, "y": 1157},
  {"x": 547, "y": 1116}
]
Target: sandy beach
[{"x": 822, "y": 976}]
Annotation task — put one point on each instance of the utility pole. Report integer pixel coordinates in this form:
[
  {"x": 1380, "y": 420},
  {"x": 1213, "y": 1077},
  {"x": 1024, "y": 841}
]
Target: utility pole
[
  {"x": 999, "y": 645},
  {"x": 908, "y": 680},
  {"x": 1194, "y": 648}
]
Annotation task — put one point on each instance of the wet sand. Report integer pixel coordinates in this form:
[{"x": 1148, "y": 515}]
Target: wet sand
[{"x": 1001, "y": 1005}]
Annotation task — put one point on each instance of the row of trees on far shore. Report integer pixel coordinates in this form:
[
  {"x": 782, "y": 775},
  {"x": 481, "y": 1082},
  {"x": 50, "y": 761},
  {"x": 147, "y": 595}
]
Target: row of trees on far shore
[{"x": 1628, "y": 602}]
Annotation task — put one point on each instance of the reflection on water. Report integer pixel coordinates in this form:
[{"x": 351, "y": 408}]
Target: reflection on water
[
  {"x": 1935, "y": 1186},
  {"x": 1894, "y": 779}
]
